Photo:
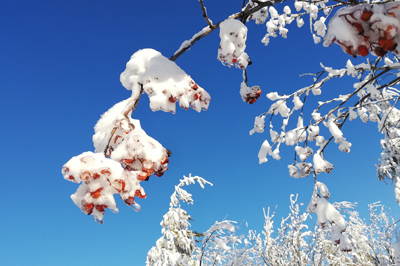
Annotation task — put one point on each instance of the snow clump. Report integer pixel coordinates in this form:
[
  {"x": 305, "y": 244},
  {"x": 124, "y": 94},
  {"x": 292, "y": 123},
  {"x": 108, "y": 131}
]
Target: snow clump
[
  {"x": 163, "y": 81},
  {"x": 233, "y": 34}
]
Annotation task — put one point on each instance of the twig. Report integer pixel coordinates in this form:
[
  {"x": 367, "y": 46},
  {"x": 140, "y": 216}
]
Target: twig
[{"x": 203, "y": 8}]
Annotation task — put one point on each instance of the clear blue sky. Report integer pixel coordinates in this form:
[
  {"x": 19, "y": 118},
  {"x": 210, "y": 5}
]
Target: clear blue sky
[{"x": 59, "y": 71}]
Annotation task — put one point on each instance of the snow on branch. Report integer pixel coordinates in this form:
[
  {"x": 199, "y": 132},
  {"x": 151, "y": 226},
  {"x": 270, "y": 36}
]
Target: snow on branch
[
  {"x": 370, "y": 100},
  {"x": 183, "y": 195}
]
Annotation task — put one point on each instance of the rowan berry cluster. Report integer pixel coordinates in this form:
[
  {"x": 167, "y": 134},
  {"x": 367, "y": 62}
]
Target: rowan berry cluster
[{"x": 366, "y": 28}]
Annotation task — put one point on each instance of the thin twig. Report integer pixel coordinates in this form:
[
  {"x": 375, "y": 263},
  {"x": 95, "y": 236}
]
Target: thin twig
[{"x": 203, "y": 8}]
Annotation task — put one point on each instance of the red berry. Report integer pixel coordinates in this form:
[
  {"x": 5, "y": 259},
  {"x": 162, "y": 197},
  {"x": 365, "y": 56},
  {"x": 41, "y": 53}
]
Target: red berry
[
  {"x": 172, "y": 99},
  {"x": 379, "y": 51},
  {"x": 139, "y": 194},
  {"x": 96, "y": 175},
  {"x": 101, "y": 207},
  {"x": 87, "y": 208},
  {"x": 142, "y": 176},
  {"x": 129, "y": 161},
  {"x": 105, "y": 171},
  {"x": 147, "y": 167},
  {"x": 159, "y": 174},
  {"x": 366, "y": 15},
  {"x": 96, "y": 194},
  {"x": 130, "y": 201},
  {"x": 119, "y": 185},
  {"x": 193, "y": 85},
  {"x": 362, "y": 50},
  {"x": 165, "y": 160},
  {"x": 85, "y": 175},
  {"x": 387, "y": 45}
]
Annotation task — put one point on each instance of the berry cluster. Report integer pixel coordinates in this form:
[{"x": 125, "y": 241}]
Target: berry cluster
[
  {"x": 249, "y": 94},
  {"x": 163, "y": 95},
  {"x": 102, "y": 177},
  {"x": 366, "y": 28},
  {"x": 139, "y": 152},
  {"x": 233, "y": 34},
  {"x": 135, "y": 150},
  {"x": 163, "y": 81}
]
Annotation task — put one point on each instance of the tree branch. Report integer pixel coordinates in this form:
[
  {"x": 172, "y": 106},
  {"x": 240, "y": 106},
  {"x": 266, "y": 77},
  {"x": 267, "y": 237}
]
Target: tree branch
[{"x": 210, "y": 28}]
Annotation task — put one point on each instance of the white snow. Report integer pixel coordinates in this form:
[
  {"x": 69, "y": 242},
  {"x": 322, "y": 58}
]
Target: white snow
[
  {"x": 233, "y": 34},
  {"x": 163, "y": 81}
]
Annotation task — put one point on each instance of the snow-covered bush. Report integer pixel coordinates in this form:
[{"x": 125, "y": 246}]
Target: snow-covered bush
[{"x": 296, "y": 240}]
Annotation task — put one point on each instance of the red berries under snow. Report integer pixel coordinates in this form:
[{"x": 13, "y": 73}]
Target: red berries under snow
[
  {"x": 366, "y": 28},
  {"x": 139, "y": 155},
  {"x": 163, "y": 81}
]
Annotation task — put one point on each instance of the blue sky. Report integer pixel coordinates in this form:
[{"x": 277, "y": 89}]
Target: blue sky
[{"x": 61, "y": 62}]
